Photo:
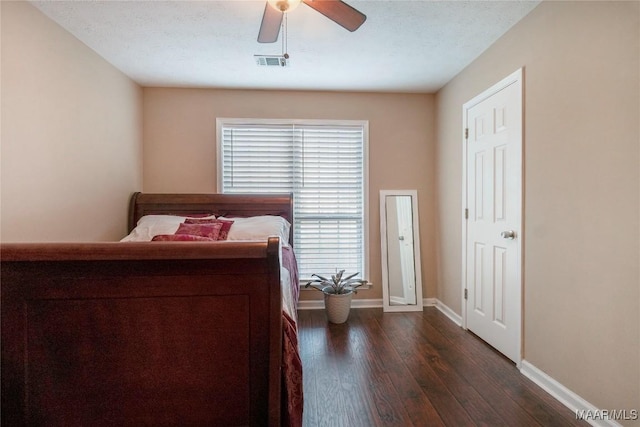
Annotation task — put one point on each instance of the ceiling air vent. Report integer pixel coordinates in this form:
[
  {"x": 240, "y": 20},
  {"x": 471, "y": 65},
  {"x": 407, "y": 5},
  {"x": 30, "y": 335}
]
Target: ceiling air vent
[{"x": 272, "y": 60}]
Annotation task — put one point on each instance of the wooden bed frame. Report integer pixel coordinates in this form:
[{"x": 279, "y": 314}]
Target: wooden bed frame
[{"x": 162, "y": 333}]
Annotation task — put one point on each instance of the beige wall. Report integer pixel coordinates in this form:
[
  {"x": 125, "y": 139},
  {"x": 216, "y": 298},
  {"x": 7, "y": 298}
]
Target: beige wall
[
  {"x": 180, "y": 147},
  {"x": 582, "y": 187},
  {"x": 71, "y": 154},
  {"x": 71, "y": 135}
]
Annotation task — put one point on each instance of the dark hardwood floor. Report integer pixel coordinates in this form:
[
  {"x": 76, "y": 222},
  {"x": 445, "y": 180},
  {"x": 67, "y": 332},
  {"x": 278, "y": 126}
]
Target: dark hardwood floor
[{"x": 413, "y": 369}]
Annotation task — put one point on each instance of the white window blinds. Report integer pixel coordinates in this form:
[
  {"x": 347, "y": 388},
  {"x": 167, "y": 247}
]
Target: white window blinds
[{"x": 323, "y": 166}]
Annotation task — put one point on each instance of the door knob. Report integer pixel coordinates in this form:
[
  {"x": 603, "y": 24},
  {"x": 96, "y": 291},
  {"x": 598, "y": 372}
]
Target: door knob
[{"x": 509, "y": 234}]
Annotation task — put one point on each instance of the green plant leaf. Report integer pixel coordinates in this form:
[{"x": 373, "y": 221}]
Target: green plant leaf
[
  {"x": 320, "y": 277},
  {"x": 351, "y": 276},
  {"x": 338, "y": 284}
]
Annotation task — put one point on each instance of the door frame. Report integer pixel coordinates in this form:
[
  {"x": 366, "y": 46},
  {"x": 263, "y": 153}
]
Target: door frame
[{"x": 517, "y": 77}]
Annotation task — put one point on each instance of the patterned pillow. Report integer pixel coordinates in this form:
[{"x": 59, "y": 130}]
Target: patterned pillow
[
  {"x": 212, "y": 231},
  {"x": 224, "y": 231},
  {"x": 180, "y": 238}
]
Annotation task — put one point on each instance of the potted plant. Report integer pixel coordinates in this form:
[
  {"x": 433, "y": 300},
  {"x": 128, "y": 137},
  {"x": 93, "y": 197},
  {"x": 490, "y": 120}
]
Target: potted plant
[{"x": 338, "y": 291}]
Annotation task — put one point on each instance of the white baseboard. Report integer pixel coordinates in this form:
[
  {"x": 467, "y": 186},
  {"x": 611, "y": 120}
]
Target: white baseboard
[
  {"x": 591, "y": 414},
  {"x": 429, "y": 302},
  {"x": 315, "y": 304},
  {"x": 567, "y": 397},
  {"x": 397, "y": 300},
  {"x": 377, "y": 303},
  {"x": 355, "y": 303},
  {"x": 452, "y": 315},
  {"x": 367, "y": 303}
]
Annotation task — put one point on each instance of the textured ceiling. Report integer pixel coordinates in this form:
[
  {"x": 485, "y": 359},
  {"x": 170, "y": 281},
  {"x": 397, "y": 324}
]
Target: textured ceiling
[{"x": 404, "y": 46}]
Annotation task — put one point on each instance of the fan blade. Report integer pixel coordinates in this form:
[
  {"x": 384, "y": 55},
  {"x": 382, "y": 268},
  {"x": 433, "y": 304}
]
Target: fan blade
[
  {"x": 270, "y": 26},
  {"x": 338, "y": 11}
]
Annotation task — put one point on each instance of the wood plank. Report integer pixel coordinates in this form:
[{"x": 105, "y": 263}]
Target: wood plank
[
  {"x": 496, "y": 397},
  {"x": 535, "y": 401},
  {"x": 414, "y": 369},
  {"x": 455, "y": 380},
  {"x": 310, "y": 344},
  {"x": 401, "y": 392},
  {"x": 433, "y": 386}
]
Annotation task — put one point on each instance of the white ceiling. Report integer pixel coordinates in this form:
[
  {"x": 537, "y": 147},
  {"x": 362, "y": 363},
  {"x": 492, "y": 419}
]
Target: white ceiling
[{"x": 404, "y": 46}]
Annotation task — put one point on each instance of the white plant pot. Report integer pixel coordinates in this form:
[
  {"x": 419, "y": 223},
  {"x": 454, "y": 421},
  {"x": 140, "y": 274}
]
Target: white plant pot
[{"x": 337, "y": 306}]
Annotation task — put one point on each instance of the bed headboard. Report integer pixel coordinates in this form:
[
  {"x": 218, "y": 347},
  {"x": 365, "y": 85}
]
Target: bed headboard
[{"x": 219, "y": 204}]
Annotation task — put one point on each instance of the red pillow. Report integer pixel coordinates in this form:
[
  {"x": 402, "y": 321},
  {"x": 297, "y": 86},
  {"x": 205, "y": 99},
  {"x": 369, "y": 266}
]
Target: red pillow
[
  {"x": 212, "y": 231},
  {"x": 180, "y": 238},
  {"x": 224, "y": 231}
]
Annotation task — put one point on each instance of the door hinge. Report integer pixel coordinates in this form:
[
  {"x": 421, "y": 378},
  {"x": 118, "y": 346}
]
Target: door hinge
[
  {"x": 466, "y": 133},
  {"x": 466, "y": 213},
  {"x": 466, "y": 294}
]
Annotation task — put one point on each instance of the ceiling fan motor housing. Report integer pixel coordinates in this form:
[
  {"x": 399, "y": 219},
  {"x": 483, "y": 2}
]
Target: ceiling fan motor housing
[{"x": 284, "y": 5}]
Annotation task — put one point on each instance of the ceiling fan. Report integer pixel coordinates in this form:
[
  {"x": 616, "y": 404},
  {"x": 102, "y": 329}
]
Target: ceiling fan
[{"x": 336, "y": 10}]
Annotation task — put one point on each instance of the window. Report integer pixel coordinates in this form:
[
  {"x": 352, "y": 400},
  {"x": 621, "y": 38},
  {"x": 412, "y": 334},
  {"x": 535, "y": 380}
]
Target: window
[{"x": 323, "y": 164}]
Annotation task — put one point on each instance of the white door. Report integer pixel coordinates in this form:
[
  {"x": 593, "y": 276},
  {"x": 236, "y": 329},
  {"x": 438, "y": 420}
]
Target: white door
[
  {"x": 493, "y": 220},
  {"x": 405, "y": 234}
]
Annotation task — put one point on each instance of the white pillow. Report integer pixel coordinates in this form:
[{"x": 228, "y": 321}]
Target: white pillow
[
  {"x": 152, "y": 225},
  {"x": 259, "y": 228}
]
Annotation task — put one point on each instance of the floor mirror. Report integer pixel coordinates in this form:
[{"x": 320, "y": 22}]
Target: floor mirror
[{"x": 400, "y": 239}]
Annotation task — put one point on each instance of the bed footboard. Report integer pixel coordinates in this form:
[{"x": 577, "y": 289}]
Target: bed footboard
[{"x": 141, "y": 334}]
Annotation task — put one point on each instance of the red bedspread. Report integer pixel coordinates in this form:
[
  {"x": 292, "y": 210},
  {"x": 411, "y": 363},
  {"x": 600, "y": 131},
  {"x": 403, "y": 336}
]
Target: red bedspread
[
  {"x": 292, "y": 395},
  {"x": 292, "y": 398}
]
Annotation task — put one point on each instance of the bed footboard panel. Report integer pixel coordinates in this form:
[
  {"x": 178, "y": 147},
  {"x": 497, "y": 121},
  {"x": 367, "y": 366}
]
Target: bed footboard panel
[{"x": 117, "y": 340}]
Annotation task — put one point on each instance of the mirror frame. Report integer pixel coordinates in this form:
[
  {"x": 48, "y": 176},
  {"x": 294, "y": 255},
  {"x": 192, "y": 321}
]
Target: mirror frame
[{"x": 416, "y": 251}]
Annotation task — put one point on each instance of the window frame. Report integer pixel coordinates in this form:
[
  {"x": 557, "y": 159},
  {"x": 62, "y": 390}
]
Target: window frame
[{"x": 222, "y": 121}]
